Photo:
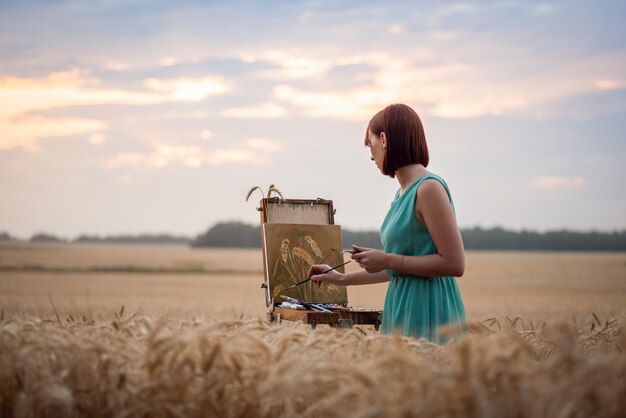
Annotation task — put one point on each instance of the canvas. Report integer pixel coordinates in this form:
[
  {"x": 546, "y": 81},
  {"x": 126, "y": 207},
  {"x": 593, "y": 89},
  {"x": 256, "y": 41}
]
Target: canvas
[{"x": 290, "y": 250}]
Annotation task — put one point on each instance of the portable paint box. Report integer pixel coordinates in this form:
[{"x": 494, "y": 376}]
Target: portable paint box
[{"x": 297, "y": 233}]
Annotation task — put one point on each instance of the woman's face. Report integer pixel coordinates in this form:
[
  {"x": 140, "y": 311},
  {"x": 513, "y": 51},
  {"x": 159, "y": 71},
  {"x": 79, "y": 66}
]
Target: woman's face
[{"x": 378, "y": 147}]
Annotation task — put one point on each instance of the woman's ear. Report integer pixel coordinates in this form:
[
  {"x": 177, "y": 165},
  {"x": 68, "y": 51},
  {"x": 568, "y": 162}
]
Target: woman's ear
[{"x": 383, "y": 140}]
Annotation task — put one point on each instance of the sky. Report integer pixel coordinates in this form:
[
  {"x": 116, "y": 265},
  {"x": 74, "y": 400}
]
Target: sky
[{"x": 143, "y": 116}]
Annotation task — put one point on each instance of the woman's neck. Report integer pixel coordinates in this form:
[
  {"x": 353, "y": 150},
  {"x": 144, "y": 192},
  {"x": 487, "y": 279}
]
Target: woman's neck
[{"x": 408, "y": 174}]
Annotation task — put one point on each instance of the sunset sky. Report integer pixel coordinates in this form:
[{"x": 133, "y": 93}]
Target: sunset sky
[{"x": 158, "y": 116}]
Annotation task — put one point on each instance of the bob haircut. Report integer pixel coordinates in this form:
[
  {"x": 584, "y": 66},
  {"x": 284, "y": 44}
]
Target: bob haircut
[{"x": 406, "y": 142}]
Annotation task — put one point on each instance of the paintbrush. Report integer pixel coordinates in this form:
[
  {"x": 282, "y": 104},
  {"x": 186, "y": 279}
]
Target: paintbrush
[
  {"x": 324, "y": 272},
  {"x": 307, "y": 305}
]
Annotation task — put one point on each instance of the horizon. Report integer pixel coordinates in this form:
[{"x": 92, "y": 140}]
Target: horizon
[
  {"x": 151, "y": 116},
  {"x": 66, "y": 238}
]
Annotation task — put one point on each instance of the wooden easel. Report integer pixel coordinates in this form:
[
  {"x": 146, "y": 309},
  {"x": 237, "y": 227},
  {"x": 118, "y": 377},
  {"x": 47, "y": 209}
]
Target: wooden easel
[{"x": 317, "y": 212}]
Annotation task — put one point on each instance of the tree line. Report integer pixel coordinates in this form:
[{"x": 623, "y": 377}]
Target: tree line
[
  {"x": 242, "y": 235},
  {"x": 237, "y": 234},
  {"x": 44, "y": 238}
]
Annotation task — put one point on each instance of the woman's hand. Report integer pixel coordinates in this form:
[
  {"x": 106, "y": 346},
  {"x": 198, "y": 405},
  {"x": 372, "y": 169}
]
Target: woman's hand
[
  {"x": 332, "y": 277},
  {"x": 370, "y": 259}
]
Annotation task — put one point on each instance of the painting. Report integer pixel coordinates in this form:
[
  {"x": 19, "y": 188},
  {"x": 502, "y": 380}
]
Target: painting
[{"x": 290, "y": 250}]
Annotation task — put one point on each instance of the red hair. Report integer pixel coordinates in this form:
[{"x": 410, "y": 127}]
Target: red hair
[{"x": 406, "y": 142}]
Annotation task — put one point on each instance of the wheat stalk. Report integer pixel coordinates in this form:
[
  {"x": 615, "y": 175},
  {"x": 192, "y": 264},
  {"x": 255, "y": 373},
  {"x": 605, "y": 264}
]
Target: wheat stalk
[
  {"x": 252, "y": 191},
  {"x": 303, "y": 254},
  {"x": 313, "y": 246},
  {"x": 273, "y": 188}
]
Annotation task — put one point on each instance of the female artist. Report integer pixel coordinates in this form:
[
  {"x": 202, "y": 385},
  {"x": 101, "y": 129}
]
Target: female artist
[{"x": 423, "y": 250}]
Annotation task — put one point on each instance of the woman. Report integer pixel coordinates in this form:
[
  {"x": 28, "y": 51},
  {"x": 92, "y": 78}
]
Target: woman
[{"x": 423, "y": 250}]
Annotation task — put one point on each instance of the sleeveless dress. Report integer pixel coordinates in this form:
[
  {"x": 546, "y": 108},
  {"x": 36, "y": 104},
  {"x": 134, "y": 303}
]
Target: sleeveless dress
[{"x": 416, "y": 306}]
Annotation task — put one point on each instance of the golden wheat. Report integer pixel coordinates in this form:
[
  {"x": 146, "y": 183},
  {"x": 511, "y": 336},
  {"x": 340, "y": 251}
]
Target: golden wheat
[
  {"x": 142, "y": 365},
  {"x": 303, "y": 254},
  {"x": 284, "y": 250},
  {"x": 108, "y": 342},
  {"x": 273, "y": 188},
  {"x": 313, "y": 246},
  {"x": 252, "y": 189}
]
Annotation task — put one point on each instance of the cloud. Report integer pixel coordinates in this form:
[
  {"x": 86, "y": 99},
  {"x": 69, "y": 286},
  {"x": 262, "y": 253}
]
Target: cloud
[
  {"x": 556, "y": 182},
  {"x": 396, "y": 29},
  {"x": 265, "y": 144},
  {"x": 234, "y": 155},
  {"x": 441, "y": 90},
  {"x": 609, "y": 84},
  {"x": 352, "y": 105},
  {"x": 206, "y": 134},
  {"x": 22, "y": 98},
  {"x": 448, "y": 89},
  {"x": 545, "y": 8},
  {"x": 68, "y": 88},
  {"x": 312, "y": 82},
  {"x": 162, "y": 156},
  {"x": 168, "y": 61},
  {"x": 267, "y": 110},
  {"x": 456, "y": 8},
  {"x": 188, "y": 114},
  {"x": 97, "y": 139},
  {"x": 25, "y": 132},
  {"x": 444, "y": 35},
  {"x": 306, "y": 16},
  {"x": 188, "y": 89},
  {"x": 295, "y": 64},
  {"x": 116, "y": 66},
  {"x": 254, "y": 152}
]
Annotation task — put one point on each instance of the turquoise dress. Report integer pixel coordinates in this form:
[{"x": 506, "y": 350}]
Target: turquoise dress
[{"x": 416, "y": 306}]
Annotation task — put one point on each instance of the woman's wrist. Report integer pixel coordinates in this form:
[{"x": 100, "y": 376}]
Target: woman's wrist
[
  {"x": 345, "y": 279},
  {"x": 395, "y": 262}
]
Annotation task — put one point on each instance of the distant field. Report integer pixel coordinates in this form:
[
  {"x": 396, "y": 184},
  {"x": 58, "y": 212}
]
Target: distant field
[
  {"x": 170, "y": 331},
  {"x": 155, "y": 278}
]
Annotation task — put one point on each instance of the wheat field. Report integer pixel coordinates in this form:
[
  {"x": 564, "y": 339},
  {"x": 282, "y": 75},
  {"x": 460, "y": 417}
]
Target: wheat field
[{"x": 170, "y": 331}]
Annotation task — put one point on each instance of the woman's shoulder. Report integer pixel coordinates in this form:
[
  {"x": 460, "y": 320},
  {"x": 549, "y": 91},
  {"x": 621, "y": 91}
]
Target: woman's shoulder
[
  {"x": 433, "y": 186},
  {"x": 432, "y": 180},
  {"x": 432, "y": 183}
]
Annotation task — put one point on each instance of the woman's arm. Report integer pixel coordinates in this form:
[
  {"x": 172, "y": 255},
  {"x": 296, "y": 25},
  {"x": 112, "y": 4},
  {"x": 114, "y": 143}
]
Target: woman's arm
[
  {"x": 364, "y": 277},
  {"x": 438, "y": 216},
  {"x": 433, "y": 206},
  {"x": 348, "y": 279}
]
